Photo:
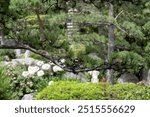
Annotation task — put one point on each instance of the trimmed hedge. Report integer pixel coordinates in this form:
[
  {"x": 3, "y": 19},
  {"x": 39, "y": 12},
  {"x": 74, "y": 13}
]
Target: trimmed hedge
[{"x": 72, "y": 90}]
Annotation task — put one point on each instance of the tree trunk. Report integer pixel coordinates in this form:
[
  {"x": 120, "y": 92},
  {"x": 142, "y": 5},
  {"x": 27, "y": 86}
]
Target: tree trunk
[
  {"x": 1, "y": 34},
  {"x": 111, "y": 37}
]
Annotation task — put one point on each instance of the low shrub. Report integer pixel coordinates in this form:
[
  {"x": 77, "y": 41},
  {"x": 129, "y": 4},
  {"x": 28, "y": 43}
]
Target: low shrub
[
  {"x": 128, "y": 92},
  {"x": 72, "y": 90},
  {"x": 6, "y": 52},
  {"x": 23, "y": 85},
  {"x": 5, "y": 92}
]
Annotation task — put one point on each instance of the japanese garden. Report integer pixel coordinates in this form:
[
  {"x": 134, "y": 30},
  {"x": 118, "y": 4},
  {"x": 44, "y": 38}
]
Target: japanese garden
[{"x": 74, "y": 49}]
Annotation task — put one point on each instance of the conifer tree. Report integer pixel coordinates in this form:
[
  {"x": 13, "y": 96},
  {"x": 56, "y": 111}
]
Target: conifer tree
[{"x": 115, "y": 31}]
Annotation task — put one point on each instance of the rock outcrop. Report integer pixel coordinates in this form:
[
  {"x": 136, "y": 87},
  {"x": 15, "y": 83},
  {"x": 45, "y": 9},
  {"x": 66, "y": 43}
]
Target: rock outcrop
[{"x": 128, "y": 78}]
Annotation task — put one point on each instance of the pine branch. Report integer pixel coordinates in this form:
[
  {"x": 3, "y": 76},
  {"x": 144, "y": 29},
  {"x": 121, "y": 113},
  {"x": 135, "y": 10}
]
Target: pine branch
[{"x": 12, "y": 44}]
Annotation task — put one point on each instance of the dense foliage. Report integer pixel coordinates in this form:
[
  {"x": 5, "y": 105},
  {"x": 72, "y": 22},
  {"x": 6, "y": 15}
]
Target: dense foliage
[
  {"x": 14, "y": 86},
  {"x": 71, "y": 90},
  {"x": 5, "y": 88},
  {"x": 117, "y": 32}
]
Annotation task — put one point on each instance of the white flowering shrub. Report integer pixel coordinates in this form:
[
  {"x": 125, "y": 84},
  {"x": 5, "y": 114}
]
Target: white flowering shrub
[
  {"x": 25, "y": 74},
  {"x": 40, "y": 73},
  {"x": 57, "y": 68},
  {"x": 39, "y": 63},
  {"x": 31, "y": 79},
  {"x": 33, "y": 69},
  {"x": 46, "y": 66},
  {"x": 22, "y": 82}
]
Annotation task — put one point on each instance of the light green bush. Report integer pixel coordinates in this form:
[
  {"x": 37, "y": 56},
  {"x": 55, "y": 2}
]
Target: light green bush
[{"x": 71, "y": 90}]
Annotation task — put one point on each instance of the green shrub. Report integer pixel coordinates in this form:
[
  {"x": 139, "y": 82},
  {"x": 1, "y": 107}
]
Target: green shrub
[
  {"x": 128, "y": 92},
  {"x": 21, "y": 85},
  {"x": 5, "y": 92},
  {"x": 71, "y": 90},
  {"x": 6, "y": 52}
]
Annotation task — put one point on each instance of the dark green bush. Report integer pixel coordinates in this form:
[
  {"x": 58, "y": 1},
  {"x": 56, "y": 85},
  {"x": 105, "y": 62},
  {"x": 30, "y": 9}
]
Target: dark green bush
[
  {"x": 71, "y": 90},
  {"x": 5, "y": 92},
  {"x": 6, "y": 52}
]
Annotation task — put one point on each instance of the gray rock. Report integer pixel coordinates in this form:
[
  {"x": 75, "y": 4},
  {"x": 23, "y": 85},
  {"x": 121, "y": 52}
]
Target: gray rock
[
  {"x": 28, "y": 96},
  {"x": 80, "y": 76},
  {"x": 144, "y": 83},
  {"x": 128, "y": 78},
  {"x": 145, "y": 75},
  {"x": 18, "y": 53},
  {"x": 27, "y": 54},
  {"x": 26, "y": 61}
]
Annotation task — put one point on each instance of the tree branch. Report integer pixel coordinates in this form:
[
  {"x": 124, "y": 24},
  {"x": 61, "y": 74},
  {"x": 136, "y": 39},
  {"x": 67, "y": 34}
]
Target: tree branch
[
  {"x": 12, "y": 44},
  {"x": 118, "y": 15}
]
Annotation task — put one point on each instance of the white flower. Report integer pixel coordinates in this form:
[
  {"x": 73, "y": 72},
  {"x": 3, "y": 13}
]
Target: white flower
[
  {"x": 39, "y": 63},
  {"x": 33, "y": 69},
  {"x": 57, "y": 68},
  {"x": 30, "y": 83},
  {"x": 62, "y": 60},
  {"x": 25, "y": 74},
  {"x": 50, "y": 82},
  {"x": 46, "y": 66},
  {"x": 40, "y": 73}
]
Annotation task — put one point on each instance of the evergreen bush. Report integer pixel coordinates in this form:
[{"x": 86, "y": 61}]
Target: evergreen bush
[{"x": 71, "y": 90}]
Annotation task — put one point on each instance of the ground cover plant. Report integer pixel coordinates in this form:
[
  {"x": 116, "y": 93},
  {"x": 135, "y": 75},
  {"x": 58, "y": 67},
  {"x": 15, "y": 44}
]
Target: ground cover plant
[{"x": 72, "y": 90}]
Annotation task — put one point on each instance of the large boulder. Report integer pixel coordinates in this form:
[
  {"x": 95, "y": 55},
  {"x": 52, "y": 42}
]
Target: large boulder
[
  {"x": 145, "y": 75},
  {"x": 80, "y": 76},
  {"x": 128, "y": 78}
]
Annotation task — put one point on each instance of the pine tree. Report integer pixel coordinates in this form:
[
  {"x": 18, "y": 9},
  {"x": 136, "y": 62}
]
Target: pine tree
[{"x": 115, "y": 31}]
